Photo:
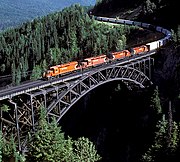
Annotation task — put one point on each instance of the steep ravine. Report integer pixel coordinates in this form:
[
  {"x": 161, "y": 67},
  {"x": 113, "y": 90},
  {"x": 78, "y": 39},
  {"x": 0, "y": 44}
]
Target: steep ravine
[
  {"x": 117, "y": 121},
  {"x": 120, "y": 123}
]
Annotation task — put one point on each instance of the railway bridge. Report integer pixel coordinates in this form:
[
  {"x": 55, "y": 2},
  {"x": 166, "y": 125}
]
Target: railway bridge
[{"x": 60, "y": 94}]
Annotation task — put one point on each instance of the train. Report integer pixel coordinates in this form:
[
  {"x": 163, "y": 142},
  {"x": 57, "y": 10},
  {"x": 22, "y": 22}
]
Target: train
[{"x": 62, "y": 69}]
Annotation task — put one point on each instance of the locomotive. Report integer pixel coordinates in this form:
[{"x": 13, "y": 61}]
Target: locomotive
[{"x": 105, "y": 58}]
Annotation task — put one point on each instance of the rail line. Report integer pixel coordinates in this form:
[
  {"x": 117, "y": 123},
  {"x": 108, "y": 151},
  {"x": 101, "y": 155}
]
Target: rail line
[{"x": 153, "y": 46}]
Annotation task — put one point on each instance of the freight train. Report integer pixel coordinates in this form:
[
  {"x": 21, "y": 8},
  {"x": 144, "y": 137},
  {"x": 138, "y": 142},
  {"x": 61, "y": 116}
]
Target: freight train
[{"x": 73, "y": 66}]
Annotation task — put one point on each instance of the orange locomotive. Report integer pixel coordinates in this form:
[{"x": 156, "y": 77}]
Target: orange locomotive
[
  {"x": 74, "y": 66},
  {"x": 92, "y": 62},
  {"x": 140, "y": 49},
  {"x": 61, "y": 69},
  {"x": 121, "y": 54}
]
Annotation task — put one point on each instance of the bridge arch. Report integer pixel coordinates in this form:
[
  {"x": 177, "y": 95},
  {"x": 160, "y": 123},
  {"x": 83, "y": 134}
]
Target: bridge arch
[{"x": 90, "y": 81}]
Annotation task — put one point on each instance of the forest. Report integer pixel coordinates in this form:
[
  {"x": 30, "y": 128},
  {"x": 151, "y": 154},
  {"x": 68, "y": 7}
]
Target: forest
[
  {"x": 55, "y": 39},
  {"x": 164, "y": 145},
  {"x": 28, "y": 50},
  {"x": 149, "y": 133},
  {"x": 13, "y": 13}
]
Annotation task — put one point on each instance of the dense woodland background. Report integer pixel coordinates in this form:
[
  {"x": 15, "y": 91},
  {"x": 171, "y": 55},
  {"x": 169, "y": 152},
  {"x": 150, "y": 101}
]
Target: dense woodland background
[
  {"x": 14, "y": 13},
  {"x": 124, "y": 125},
  {"x": 54, "y": 39}
]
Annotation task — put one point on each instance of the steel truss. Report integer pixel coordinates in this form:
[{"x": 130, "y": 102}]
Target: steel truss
[{"x": 59, "y": 98}]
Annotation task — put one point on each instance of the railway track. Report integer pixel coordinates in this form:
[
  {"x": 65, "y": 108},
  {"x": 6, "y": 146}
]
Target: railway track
[{"x": 27, "y": 87}]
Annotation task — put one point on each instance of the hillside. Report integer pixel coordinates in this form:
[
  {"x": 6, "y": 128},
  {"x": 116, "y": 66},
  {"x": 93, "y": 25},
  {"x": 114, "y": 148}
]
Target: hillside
[
  {"x": 160, "y": 12},
  {"x": 15, "y": 12},
  {"x": 122, "y": 123},
  {"x": 164, "y": 14},
  {"x": 166, "y": 76}
]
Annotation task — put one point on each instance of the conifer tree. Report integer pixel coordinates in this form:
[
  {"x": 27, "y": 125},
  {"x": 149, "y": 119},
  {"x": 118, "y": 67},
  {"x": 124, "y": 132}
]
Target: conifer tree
[
  {"x": 155, "y": 101},
  {"x": 85, "y": 150},
  {"x": 163, "y": 148},
  {"x": 49, "y": 144},
  {"x": 18, "y": 75},
  {"x": 178, "y": 34},
  {"x": 149, "y": 7},
  {"x": 36, "y": 73},
  {"x": 13, "y": 72},
  {"x": 10, "y": 152}
]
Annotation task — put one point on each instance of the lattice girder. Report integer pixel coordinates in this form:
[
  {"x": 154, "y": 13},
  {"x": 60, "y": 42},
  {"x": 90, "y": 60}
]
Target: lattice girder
[{"x": 67, "y": 98}]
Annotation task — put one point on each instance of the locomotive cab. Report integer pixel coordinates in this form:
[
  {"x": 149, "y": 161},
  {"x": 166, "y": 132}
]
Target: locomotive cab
[
  {"x": 51, "y": 72},
  {"x": 47, "y": 74},
  {"x": 109, "y": 55}
]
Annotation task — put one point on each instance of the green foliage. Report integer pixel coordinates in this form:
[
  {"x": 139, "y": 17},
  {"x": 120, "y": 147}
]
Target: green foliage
[
  {"x": 85, "y": 150},
  {"x": 56, "y": 38},
  {"x": 155, "y": 102},
  {"x": 18, "y": 75},
  {"x": 162, "y": 146},
  {"x": 55, "y": 55},
  {"x": 174, "y": 35},
  {"x": 3, "y": 68},
  {"x": 7, "y": 148},
  {"x": 5, "y": 108},
  {"x": 49, "y": 144},
  {"x": 13, "y": 73},
  {"x": 36, "y": 73},
  {"x": 149, "y": 7},
  {"x": 14, "y": 13},
  {"x": 153, "y": 151},
  {"x": 174, "y": 138},
  {"x": 10, "y": 151},
  {"x": 178, "y": 34}
]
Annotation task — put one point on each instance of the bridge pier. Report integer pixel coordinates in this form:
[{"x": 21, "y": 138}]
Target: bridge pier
[{"x": 17, "y": 123}]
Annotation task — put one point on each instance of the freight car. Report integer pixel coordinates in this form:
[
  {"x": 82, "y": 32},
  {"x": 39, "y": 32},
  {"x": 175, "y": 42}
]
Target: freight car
[{"x": 73, "y": 66}]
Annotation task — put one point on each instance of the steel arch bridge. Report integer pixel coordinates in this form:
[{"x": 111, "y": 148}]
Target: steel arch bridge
[
  {"x": 77, "y": 90},
  {"x": 59, "y": 95}
]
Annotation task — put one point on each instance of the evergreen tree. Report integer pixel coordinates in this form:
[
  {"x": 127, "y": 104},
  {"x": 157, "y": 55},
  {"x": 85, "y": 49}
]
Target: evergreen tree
[
  {"x": 13, "y": 72},
  {"x": 36, "y": 73},
  {"x": 55, "y": 56},
  {"x": 149, "y": 7},
  {"x": 178, "y": 34},
  {"x": 4, "y": 108},
  {"x": 85, "y": 151},
  {"x": 48, "y": 144},
  {"x": 10, "y": 152},
  {"x": 163, "y": 149},
  {"x": 3, "y": 68},
  {"x": 155, "y": 102},
  {"x": 18, "y": 75},
  {"x": 71, "y": 31}
]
